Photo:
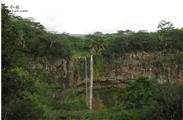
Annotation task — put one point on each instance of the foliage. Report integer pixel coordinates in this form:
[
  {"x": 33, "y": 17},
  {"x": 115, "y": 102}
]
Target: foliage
[
  {"x": 169, "y": 102},
  {"x": 26, "y": 93},
  {"x": 139, "y": 93},
  {"x": 165, "y": 26},
  {"x": 142, "y": 99}
]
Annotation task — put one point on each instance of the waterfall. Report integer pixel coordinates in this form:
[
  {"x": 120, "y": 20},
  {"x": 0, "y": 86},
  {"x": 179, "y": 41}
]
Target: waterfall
[
  {"x": 91, "y": 81},
  {"x": 86, "y": 79}
]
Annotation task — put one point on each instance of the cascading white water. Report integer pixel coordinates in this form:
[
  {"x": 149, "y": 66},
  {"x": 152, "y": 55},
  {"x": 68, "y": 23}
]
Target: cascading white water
[
  {"x": 91, "y": 82},
  {"x": 86, "y": 80}
]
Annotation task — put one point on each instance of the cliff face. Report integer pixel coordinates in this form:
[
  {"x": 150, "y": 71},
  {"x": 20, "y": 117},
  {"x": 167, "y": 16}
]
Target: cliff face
[
  {"x": 159, "y": 66},
  {"x": 56, "y": 69},
  {"x": 69, "y": 73},
  {"x": 66, "y": 72}
]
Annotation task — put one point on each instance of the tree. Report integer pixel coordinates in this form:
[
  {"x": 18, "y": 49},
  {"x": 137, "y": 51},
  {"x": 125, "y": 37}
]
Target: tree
[
  {"x": 96, "y": 44},
  {"x": 165, "y": 26}
]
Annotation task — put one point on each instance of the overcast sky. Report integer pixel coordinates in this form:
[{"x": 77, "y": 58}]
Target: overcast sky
[{"x": 107, "y": 16}]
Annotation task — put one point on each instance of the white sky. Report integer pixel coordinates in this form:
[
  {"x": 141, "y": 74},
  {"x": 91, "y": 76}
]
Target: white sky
[{"x": 107, "y": 16}]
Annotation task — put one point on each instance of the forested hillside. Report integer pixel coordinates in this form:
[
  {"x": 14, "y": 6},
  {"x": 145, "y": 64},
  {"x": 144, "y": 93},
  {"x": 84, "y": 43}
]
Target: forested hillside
[{"x": 42, "y": 72}]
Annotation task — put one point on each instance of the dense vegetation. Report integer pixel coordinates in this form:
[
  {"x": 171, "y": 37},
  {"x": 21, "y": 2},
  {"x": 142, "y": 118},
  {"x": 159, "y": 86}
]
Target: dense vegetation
[{"x": 28, "y": 94}]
